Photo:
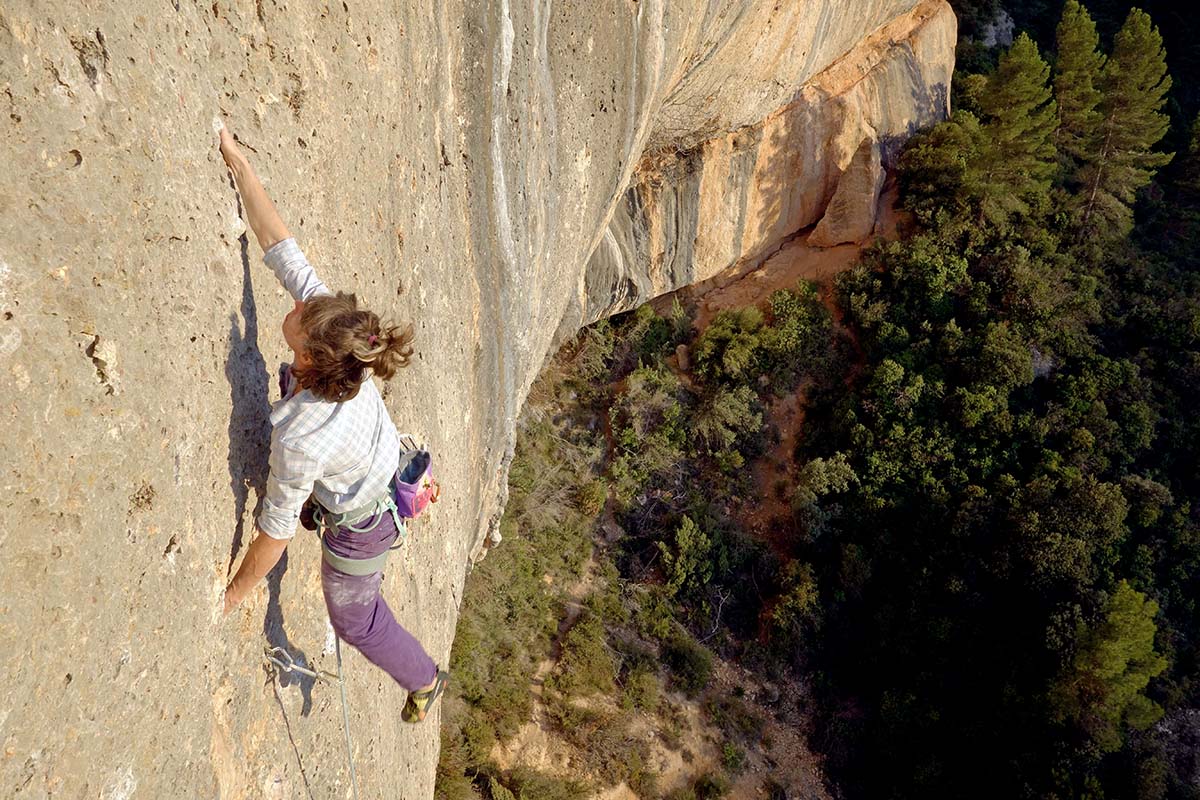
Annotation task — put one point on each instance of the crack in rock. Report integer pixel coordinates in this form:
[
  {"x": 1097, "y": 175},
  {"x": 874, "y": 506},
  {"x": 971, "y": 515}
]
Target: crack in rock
[{"x": 103, "y": 354}]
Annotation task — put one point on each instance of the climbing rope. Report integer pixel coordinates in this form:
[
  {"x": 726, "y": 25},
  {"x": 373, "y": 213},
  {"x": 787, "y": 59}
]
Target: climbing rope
[{"x": 283, "y": 659}]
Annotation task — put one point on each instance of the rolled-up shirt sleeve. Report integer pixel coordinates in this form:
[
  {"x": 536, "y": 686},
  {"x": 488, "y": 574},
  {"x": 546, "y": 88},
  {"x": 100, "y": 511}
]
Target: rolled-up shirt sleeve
[
  {"x": 293, "y": 474},
  {"x": 287, "y": 261}
]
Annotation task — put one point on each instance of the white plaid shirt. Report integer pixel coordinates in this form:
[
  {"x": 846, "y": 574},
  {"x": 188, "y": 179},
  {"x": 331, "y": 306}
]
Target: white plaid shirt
[{"x": 345, "y": 453}]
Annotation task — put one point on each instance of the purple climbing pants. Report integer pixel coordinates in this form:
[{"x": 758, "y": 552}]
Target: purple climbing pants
[{"x": 361, "y": 617}]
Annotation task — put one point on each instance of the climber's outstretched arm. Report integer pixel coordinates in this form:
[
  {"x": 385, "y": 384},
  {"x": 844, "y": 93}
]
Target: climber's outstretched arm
[
  {"x": 261, "y": 557},
  {"x": 264, "y": 220}
]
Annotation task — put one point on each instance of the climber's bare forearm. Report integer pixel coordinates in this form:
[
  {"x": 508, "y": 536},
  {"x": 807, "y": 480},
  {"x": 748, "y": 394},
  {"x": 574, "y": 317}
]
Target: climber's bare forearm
[
  {"x": 261, "y": 557},
  {"x": 261, "y": 215}
]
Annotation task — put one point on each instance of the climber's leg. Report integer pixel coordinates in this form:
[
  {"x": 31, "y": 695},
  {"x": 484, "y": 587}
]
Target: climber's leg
[{"x": 361, "y": 617}]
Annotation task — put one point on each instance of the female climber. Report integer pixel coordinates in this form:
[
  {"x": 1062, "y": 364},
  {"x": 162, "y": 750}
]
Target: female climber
[{"x": 332, "y": 437}]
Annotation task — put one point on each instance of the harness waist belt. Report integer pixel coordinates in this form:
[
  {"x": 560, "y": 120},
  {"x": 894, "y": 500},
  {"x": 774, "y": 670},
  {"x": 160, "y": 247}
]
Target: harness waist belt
[
  {"x": 354, "y": 566},
  {"x": 327, "y": 520}
]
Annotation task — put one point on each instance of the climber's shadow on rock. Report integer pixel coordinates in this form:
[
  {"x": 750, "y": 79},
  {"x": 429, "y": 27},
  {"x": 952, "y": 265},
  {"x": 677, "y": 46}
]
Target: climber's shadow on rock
[
  {"x": 276, "y": 635},
  {"x": 249, "y": 451},
  {"x": 249, "y": 419}
]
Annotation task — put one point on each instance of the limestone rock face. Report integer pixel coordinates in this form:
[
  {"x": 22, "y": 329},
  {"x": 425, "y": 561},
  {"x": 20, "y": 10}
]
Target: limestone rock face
[
  {"x": 495, "y": 172},
  {"x": 733, "y": 199},
  {"x": 850, "y": 215}
]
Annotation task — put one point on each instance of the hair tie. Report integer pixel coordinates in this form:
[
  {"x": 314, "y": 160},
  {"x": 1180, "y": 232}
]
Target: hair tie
[{"x": 372, "y": 339}]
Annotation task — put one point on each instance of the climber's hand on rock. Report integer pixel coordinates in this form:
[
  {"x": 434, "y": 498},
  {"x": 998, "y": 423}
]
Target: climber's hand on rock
[
  {"x": 230, "y": 151},
  {"x": 230, "y": 602},
  {"x": 260, "y": 212}
]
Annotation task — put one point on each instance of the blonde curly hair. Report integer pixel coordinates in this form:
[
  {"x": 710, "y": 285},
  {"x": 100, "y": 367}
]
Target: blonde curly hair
[{"x": 344, "y": 341}]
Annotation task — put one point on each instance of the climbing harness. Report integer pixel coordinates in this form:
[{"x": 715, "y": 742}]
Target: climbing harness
[
  {"x": 410, "y": 491},
  {"x": 328, "y": 522},
  {"x": 283, "y": 659}
]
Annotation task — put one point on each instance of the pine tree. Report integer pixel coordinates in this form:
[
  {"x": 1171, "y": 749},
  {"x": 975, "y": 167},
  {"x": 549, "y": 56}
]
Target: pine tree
[
  {"x": 1189, "y": 175},
  {"x": 1134, "y": 84},
  {"x": 939, "y": 170},
  {"x": 1019, "y": 113},
  {"x": 1174, "y": 227},
  {"x": 1113, "y": 664},
  {"x": 1077, "y": 73},
  {"x": 1184, "y": 232}
]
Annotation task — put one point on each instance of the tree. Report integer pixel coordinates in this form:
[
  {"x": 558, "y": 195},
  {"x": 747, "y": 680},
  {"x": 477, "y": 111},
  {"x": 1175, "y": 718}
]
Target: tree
[
  {"x": 1134, "y": 84},
  {"x": 1189, "y": 175},
  {"x": 1019, "y": 114},
  {"x": 939, "y": 168},
  {"x": 1004, "y": 359},
  {"x": 1181, "y": 226},
  {"x": 647, "y": 422},
  {"x": 1077, "y": 74},
  {"x": 687, "y": 564},
  {"x": 724, "y": 416},
  {"x": 820, "y": 476},
  {"x": 1113, "y": 664},
  {"x": 817, "y": 478},
  {"x": 799, "y": 600},
  {"x": 729, "y": 346}
]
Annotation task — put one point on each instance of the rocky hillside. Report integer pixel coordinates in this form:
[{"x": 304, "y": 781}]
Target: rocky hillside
[{"x": 497, "y": 172}]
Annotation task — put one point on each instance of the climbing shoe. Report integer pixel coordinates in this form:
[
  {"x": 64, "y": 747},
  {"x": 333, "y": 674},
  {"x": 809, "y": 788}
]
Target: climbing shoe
[{"x": 419, "y": 702}]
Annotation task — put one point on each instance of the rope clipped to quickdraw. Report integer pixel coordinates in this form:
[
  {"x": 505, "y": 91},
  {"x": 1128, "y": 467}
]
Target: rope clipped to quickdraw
[{"x": 283, "y": 659}]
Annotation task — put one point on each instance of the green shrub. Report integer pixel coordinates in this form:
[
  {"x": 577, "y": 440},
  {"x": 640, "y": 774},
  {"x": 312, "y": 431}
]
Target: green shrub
[
  {"x": 529, "y": 784},
  {"x": 821, "y": 476},
  {"x": 733, "y": 758},
  {"x": 683, "y": 793},
  {"x": 736, "y": 717},
  {"x": 681, "y": 322},
  {"x": 728, "y": 350},
  {"x": 687, "y": 563},
  {"x": 658, "y": 339},
  {"x": 610, "y": 751},
  {"x": 641, "y": 689},
  {"x": 799, "y": 601},
  {"x": 798, "y": 337},
  {"x": 587, "y": 357},
  {"x": 648, "y": 426},
  {"x": 591, "y": 497},
  {"x": 711, "y": 787},
  {"x": 654, "y": 613},
  {"x": 706, "y": 787},
  {"x": 689, "y": 662},
  {"x": 478, "y": 735},
  {"x": 729, "y": 461},
  {"x": 452, "y": 782},
  {"x": 724, "y": 417},
  {"x": 672, "y": 725},
  {"x": 510, "y": 612},
  {"x": 642, "y": 337},
  {"x": 586, "y": 665},
  {"x": 499, "y": 791},
  {"x": 605, "y": 600},
  {"x": 570, "y": 719},
  {"x": 776, "y": 790}
]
